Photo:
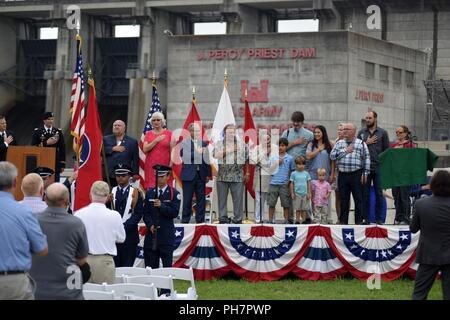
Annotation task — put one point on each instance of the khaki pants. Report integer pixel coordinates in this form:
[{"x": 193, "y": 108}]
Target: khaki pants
[
  {"x": 321, "y": 214},
  {"x": 103, "y": 269},
  {"x": 16, "y": 287}
]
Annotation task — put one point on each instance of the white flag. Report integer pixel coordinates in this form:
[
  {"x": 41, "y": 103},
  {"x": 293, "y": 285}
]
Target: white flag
[{"x": 224, "y": 116}]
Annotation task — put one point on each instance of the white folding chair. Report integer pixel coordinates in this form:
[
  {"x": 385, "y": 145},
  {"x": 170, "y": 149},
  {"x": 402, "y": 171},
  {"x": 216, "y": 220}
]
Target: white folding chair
[
  {"x": 93, "y": 287},
  {"x": 98, "y": 295},
  {"x": 132, "y": 291},
  {"x": 209, "y": 199},
  {"x": 131, "y": 271},
  {"x": 179, "y": 274},
  {"x": 159, "y": 282}
]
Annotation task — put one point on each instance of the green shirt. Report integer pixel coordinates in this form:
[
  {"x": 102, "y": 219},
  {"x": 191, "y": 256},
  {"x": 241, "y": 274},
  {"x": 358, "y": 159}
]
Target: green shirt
[{"x": 405, "y": 166}]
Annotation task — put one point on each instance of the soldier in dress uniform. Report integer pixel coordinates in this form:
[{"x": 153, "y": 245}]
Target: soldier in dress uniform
[
  {"x": 128, "y": 201},
  {"x": 161, "y": 206},
  {"x": 49, "y": 136}
]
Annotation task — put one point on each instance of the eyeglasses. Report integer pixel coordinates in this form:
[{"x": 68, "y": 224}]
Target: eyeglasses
[
  {"x": 156, "y": 119},
  {"x": 399, "y": 132},
  {"x": 346, "y": 129}
]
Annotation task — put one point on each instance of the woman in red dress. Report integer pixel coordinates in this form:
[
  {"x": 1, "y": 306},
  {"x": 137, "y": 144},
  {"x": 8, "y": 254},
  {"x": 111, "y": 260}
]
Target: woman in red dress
[{"x": 157, "y": 147}]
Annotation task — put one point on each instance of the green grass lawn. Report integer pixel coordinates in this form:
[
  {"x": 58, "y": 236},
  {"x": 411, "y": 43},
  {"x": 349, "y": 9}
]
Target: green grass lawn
[{"x": 296, "y": 289}]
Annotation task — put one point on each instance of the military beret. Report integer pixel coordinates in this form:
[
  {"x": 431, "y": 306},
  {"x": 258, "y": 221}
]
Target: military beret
[{"x": 47, "y": 115}]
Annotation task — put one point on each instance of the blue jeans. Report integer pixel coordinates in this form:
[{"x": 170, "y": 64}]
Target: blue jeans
[
  {"x": 350, "y": 183},
  {"x": 374, "y": 177}
]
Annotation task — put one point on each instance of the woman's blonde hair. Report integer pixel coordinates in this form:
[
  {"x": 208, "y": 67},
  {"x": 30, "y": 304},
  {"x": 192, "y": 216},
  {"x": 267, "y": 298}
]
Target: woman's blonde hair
[{"x": 159, "y": 115}]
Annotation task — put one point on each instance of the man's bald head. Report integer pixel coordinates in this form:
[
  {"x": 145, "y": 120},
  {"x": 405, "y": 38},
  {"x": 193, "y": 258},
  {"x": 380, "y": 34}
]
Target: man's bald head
[
  {"x": 57, "y": 195},
  {"x": 32, "y": 185},
  {"x": 119, "y": 127}
]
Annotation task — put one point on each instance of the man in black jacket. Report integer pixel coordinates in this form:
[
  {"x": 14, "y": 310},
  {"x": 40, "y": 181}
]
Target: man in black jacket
[
  {"x": 120, "y": 148},
  {"x": 432, "y": 219},
  {"x": 51, "y": 137},
  {"x": 6, "y": 138}
]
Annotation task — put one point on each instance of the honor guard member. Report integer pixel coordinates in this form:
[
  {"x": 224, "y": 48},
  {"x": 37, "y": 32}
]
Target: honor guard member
[
  {"x": 45, "y": 174},
  {"x": 161, "y": 206},
  {"x": 128, "y": 201},
  {"x": 51, "y": 137}
]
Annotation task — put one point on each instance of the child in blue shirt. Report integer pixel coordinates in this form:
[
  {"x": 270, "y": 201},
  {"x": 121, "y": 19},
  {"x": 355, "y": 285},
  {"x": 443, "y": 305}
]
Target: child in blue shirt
[
  {"x": 281, "y": 165},
  {"x": 301, "y": 191}
]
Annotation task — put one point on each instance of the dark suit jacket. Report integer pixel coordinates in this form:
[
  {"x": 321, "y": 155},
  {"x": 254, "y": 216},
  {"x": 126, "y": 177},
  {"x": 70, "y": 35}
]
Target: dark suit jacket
[
  {"x": 432, "y": 219},
  {"x": 191, "y": 159},
  {"x": 131, "y": 225},
  {"x": 130, "y": 156},
  {"x": 3, "y": 147},
  {"x": 170, "y": 207}
]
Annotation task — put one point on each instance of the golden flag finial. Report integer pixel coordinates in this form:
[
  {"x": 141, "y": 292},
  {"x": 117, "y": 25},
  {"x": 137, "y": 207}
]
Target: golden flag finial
[
  {"x": 193, "y": 93},
  {"x": 154, "y": 78},
  {"x": 225, "y": 78}
]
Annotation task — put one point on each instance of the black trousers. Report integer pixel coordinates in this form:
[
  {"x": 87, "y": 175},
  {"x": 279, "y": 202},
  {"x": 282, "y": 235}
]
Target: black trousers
[
  {"x": 350, "y": 183},
  {"x": 196, "y": 186},
  {"x": 426, "y": 274},
  {"x": 126, "y": 254},
  {"x": 402, "y": 203},
  {"x": 163, "y": 252}
]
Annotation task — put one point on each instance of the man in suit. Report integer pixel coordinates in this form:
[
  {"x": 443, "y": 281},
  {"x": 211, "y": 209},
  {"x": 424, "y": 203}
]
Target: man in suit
[
  {"x": 51, "y": 137},
  {"x": 6, "y": 138},
  {"x": 120, "y": 148},
  {"x": 432, "y": 219},
  {"x": 128, "y": 202},
  {"x": 161, "y": 206},
  {"x": 195, "y": 173}
]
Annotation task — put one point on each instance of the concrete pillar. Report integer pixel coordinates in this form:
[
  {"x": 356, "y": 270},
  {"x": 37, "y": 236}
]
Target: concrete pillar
[
  {"x": 8, "y": 43},
  {"x": 242, "y": 19},
  {"x": 152, "y": 57}
]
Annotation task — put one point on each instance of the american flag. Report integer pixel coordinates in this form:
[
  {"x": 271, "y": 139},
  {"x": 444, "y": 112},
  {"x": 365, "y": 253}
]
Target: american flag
[
  {"x": 155, "y": 107},
  {"x": 77, "y": 101}
]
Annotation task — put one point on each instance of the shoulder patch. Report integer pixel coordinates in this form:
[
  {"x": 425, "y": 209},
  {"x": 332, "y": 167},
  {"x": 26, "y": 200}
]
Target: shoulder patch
[
  {"x": 178, "y": 196},
  {"x": 36, "y": 129}
]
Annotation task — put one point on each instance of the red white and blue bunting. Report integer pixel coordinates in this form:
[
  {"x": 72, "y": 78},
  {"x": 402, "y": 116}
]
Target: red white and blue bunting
[{"x": 311, "y": 252}]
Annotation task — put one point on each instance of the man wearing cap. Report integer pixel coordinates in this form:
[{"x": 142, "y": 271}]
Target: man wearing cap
[
  {"x": 51, "y": 137},
  {"x": 161, "y": 206},
  {"x": 128, "y": 202},
  {"x": 45, "y": 174},
  {"x": 6, "y": 138},
  {"x": 121, "y": 148}
]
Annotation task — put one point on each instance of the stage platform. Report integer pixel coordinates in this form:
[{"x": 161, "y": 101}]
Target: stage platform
[{"x": 268, "y": 252}]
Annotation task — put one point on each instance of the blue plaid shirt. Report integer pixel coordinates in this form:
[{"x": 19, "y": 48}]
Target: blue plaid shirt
[{"x": 350, "y": 162}]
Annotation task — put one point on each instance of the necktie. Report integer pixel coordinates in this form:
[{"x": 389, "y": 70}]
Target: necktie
[
  {"x": 3, "y": 135},
  {"x": 49, "y": 131},
  {"x": 160, "y": 193}
]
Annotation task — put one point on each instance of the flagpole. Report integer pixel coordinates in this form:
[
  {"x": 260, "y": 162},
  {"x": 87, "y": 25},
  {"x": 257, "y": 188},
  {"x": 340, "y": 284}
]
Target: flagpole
[
  {"x": 246, "y": 191},
  {"x": 91, "y": 83}
]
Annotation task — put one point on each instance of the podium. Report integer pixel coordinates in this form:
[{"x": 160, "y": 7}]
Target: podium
[{"x": 26, "y": 159}]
